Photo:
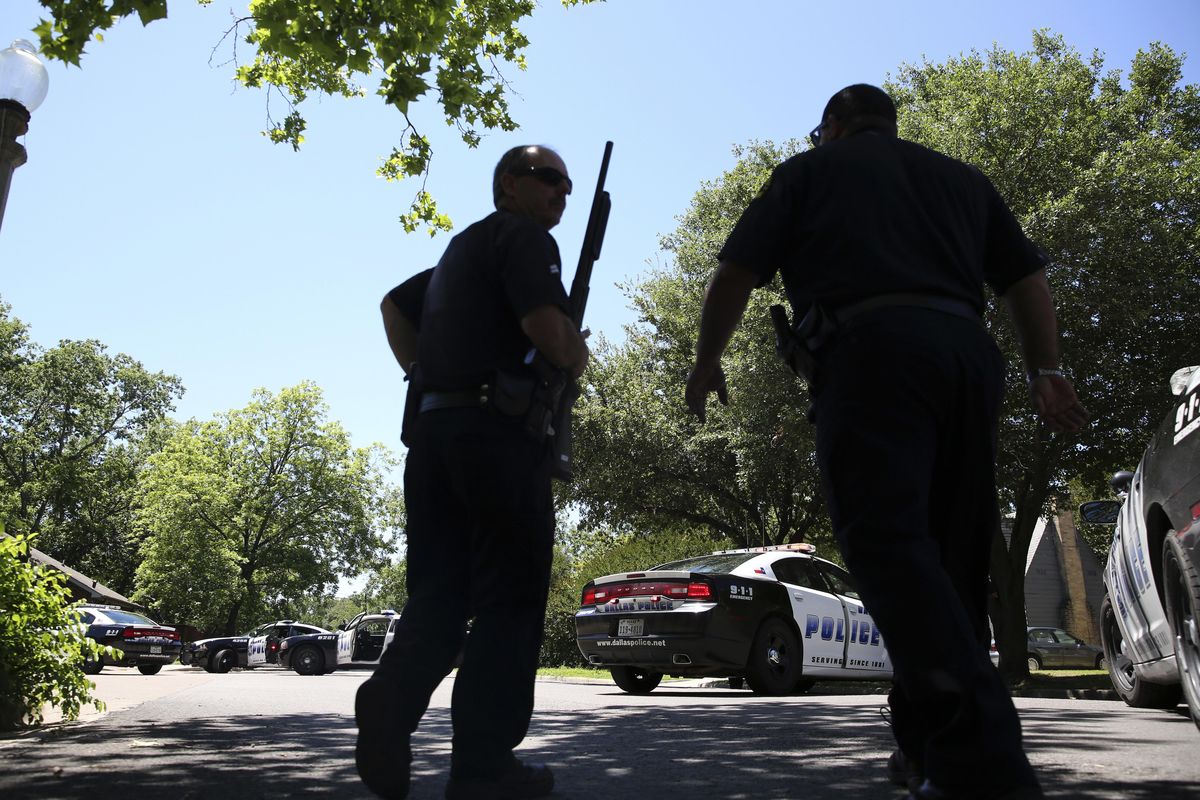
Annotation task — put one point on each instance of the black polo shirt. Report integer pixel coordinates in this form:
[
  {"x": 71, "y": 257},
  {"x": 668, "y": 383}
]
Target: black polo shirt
[
  {"x": 491, "y": 275},
  {"x": 409, "y": 297},
  {"x": 871, "y": 214}
]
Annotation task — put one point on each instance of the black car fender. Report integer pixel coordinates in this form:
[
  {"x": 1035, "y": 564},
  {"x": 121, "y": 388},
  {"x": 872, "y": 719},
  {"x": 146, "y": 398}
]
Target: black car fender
[
  {"x": 749, "y": 602},
  {"x": 325, "y": 642}
]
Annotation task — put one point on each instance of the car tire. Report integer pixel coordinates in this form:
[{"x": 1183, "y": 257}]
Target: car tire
[
  {"x": 635, "y": 680},
  {"x": 92, "y": 667},
  {"x": 1132, "y": 689},
  {"x": 308, "y": 660},
  {"x": 1181, "y": 581},
  {"x": 776, "y": 660},
  {"x": 1035, "y": 663},
  {"x": 737, "y": 682},
  {"x": 150, "y": 669},
  {"x": 1101, "y": 662},
  {"x": 223, "y": 661}
]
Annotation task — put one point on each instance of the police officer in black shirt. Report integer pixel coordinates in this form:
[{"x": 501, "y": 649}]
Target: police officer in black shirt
[
  {"x": 477, "y": 491},
  {"x": 887, "y": 245}
]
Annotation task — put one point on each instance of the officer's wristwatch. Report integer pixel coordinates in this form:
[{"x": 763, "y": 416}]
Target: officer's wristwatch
[{"x": 1042, "y": 372}]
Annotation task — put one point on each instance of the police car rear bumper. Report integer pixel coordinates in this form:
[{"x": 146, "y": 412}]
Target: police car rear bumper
[
  {"x": 134, "y": 654},
  {"x": 708, "y": 641}
]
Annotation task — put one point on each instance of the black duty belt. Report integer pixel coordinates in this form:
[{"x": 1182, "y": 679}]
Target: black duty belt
[
  {"x": 947, "y": 305},
  {"x": 464, "y": 398}
]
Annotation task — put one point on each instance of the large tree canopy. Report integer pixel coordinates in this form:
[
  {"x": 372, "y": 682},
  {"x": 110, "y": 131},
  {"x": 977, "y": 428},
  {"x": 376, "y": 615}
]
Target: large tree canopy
[
  {"x": 257, "y": 506},
  {"x": 748, "y": 474},
  {"x": 76, "y": 424},
  {"x": 302, "y": 47}
]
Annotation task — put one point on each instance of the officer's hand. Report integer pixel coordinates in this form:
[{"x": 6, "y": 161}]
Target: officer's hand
[
  {"x": 701, "y": 381},
  {"x": 1055, "y": 400},
  {"x": 581, "y": 362}
]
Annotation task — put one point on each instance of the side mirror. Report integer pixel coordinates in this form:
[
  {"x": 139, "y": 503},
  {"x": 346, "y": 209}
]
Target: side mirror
[
  {"x": 1181, "y": 379},
  {"x": 341, "y": 626},
  {"x": 1121, "y": 481},
  {"x": 1100, "y": 512}
]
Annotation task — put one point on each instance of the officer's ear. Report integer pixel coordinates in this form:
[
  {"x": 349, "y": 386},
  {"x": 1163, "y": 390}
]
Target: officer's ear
[{"x": 508, "y": 183}]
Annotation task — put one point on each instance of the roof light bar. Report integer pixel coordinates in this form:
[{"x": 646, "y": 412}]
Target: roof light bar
[{"x": 796, "y": 547}]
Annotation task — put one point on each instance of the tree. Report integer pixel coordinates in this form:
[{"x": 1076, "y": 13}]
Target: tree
[
  {"x": 644, "y": 463},
  {"x": 258, "y": 505},
  {"x": 42, "y": 644},
  {"x": 1104, "y": 176},
  {"x": 76, "y": 425},
  {"x": 331, "y": 47}
]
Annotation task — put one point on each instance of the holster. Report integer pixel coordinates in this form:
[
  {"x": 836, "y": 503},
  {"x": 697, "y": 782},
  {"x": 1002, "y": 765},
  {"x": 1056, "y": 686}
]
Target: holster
[
  {"x": 797, "y": 344},
  {"x": 412, "y": 405}
]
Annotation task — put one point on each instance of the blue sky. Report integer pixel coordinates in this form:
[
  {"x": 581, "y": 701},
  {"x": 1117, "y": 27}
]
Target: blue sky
[{"x": 153, "y": 216}]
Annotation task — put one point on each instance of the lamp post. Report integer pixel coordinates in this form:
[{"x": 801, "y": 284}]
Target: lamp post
[{"x": 23, "y": 86}]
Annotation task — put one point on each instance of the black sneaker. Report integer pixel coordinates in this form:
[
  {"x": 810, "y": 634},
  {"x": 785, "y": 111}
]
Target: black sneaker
[
  {"x": 928, "y": 791},
  {"x": 521, "y": 781},
  {"x": 382, "y": 754},
  {"x": 902, "y": 772}
]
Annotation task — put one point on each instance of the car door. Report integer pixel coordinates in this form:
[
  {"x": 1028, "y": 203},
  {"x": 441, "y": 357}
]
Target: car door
[
  {"x": 819, "y": 615},
  {"x": 369, "y": 638},
  {"x": 1072, "y": 653},
  {"x": 258, "y": 649},
  {"x": 1043, "y": 644},
  {"x": 865, "y": 649}
]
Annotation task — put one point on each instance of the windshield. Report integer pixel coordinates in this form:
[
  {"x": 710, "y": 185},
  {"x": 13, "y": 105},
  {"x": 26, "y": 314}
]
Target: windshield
[
  {"x": 129, "y": 618},
  {"x": 710, "y": 563}
]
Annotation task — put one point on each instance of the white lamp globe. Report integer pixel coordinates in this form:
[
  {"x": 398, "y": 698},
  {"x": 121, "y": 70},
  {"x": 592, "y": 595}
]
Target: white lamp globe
[{"x": 23, "y": 77}]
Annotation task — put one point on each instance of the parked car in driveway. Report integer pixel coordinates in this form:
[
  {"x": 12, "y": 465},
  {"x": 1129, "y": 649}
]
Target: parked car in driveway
[
  {"x": 1149, "y": 617},
  {"x": 252, "y": 649},
  {"x": 1051, "y": 648},
  {"x": 138, "y": 640}
]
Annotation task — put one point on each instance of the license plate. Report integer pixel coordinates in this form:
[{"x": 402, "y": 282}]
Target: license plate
[
  {"x": 155, "y": 648},
  {"x": 630, "y": 627}
]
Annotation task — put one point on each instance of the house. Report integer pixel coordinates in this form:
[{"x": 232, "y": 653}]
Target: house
[{"x": 81, "y": 586}]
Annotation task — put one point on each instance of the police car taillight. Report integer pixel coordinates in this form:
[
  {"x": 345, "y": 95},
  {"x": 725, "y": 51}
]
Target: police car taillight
[
  {"x": 698, "y": 590},
  {"x": 589, "y": 596}
]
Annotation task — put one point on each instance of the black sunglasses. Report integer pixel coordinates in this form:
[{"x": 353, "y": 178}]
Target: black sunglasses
[
  {"x": 815, "y": 135},
  {"x": 547, "y": 175}
]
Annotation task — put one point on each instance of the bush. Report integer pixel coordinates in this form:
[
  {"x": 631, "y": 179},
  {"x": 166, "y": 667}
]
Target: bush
[{"x": 42, "y": 644}]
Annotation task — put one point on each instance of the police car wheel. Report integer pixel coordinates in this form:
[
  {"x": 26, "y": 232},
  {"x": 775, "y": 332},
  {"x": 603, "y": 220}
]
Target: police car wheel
[
  {"x": 308, "y": 661},
  {"x": 1181, "y": 580},
  {"x": 223, "y": 661},
  {"x": 92, "y": 667},
  {"x": 775, "y": 659},
  {"x": 150, "y": 669},
  {"x": 1132, "y": 689},
  {"x": 635, "y": 680},
  {"x": 1035, "y": 663}
]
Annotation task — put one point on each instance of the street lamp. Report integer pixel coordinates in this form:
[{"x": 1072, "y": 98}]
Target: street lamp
[{"x": 23, "y": 86}]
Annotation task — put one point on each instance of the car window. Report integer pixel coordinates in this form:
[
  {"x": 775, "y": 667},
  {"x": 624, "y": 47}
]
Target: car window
[
  {"x": 710, "y": 563},
  {"x": 129, "y": 618},
  {"x": 799, "y": 572},
  {"x": 374, "y": 627},
  {"x": 1044, "y": 637},
  {"x": 301, "y": 630},
  {"x": 87, "y": 617},
  {"x": 1065, "y": 638},
  {"x": 839, "y": 580}
]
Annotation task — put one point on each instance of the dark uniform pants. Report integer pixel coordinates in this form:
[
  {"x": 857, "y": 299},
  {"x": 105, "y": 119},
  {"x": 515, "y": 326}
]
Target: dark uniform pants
[
  {"x": 480, "y": 539},
  {"x": 907, "y": 405}
]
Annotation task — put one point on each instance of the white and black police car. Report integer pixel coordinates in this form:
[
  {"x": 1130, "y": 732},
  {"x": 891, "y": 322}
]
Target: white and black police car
[
  {"x": 777, "y": 618},
  {"x": 138, "y": 640},
  {"x": 1150, "y": 616},
  {"x": 256, "y": 648},
  {"x": 357, "y": 643}
]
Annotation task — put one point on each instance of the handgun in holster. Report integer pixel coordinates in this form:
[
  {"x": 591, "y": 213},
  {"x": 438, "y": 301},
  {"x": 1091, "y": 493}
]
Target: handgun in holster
[
  {"x": 797, "y": 344},
  {"x": 412, "y": 405}
]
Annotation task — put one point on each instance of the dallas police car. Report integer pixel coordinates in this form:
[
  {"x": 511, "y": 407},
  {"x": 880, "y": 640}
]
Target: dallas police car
[
  {"x": 256, "y": 648},
  {"x": 140, "y": 641},
  {"x": 358, "y": 643},
  {"x": 1151, "y": 610},
  {"x": 777, "y": 617}
]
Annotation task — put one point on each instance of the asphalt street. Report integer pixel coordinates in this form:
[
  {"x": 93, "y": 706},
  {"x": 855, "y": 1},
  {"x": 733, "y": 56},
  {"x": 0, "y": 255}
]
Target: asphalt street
[{"x": 185, "y": 734}]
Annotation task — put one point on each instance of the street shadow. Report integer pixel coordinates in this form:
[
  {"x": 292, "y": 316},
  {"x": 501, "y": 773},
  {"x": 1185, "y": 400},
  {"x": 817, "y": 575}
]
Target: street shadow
[{"x": 636, "y": 747}]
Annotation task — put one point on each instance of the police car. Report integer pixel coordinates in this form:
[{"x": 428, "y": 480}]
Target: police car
[
  {"x": 776, "y": 617},
  {"x": 256, "y": 648},
  {"x": 139, "y": 641},
  {"x": 358, "y": 643},
  {"x": 1151, "y": 610}
]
